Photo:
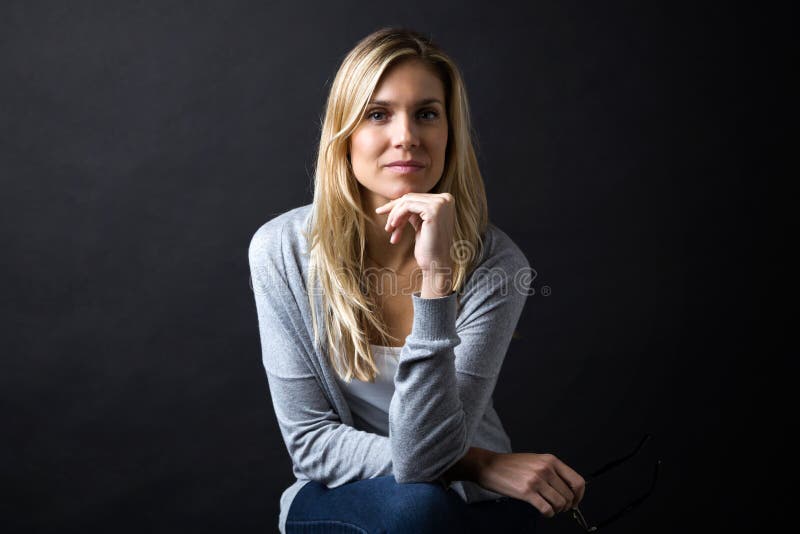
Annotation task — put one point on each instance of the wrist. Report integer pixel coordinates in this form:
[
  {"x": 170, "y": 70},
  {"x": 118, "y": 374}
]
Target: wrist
[
  {"x": 470, "y": 467},
  {"x": 483, "y": 465},
  {"x": 436, "y": 282},
  {"x": 483, "y": 459}
]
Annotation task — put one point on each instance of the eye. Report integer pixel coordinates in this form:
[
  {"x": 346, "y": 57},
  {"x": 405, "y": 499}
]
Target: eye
[
  {"x": 371, "y": 115},
  {"x": 433, "y": 114}
]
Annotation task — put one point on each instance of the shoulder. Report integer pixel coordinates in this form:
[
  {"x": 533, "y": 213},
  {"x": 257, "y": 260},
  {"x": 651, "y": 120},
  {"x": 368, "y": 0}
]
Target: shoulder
[
  {"x": 500, "y": 281},
  {"x": 280, "y": 236},
  {"x": 287, "y": 226},
  {"x": 503, "y": 274},
  {"x": 501, "y": 255}
]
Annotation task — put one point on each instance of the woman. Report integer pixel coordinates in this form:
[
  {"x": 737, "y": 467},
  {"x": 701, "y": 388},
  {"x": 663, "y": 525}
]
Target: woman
[{"x": 385, "y": 310}]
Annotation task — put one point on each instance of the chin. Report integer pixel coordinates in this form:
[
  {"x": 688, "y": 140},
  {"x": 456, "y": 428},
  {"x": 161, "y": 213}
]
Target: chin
[
  {"x": 399, "y": 189},
  {"x": 395, "y": 187}
]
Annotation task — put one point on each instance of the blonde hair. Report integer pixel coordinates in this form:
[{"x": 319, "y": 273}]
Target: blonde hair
[{"x": 336, "y": 229}]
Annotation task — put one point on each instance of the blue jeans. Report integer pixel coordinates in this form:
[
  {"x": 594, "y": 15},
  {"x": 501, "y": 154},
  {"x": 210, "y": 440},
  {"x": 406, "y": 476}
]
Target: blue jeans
[{"x": 381, "y": 505}]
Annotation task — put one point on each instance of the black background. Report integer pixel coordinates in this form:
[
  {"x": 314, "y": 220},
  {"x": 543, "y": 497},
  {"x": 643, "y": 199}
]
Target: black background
[{"x": 143, "y": 143}]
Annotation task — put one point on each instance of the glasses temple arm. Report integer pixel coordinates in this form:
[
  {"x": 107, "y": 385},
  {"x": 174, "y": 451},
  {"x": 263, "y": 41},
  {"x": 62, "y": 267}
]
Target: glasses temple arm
[
  {"x": 618, "y": 461},
  {"x": 636, "y": 502}
]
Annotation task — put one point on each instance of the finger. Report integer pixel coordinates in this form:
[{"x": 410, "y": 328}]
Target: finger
[
  {"x": 389, "y": 205},
  {"x": 416, "y": 222},
  {"x": 403, "y": 210},
  {"x": 572, "y": 478},
  {"x": 563, "y": 489},
  {"x": 554, "y": 498},
  {"x": 580, "y": 491},
  {"x": 386, "y": 207},
  {"x": 396, "y": 234},
  {"x": 541, "y": 504},
  {"x": 410, "y": 196}
]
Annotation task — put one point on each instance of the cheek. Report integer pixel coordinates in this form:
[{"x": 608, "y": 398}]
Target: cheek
[
  {"x": 441, "y": 144},
  {"x": 364, "y": 153},
  {"x": 364, "y": 144}
]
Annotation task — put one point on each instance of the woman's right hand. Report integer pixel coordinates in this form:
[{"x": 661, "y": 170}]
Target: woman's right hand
[{"x": 543, "y": 480}]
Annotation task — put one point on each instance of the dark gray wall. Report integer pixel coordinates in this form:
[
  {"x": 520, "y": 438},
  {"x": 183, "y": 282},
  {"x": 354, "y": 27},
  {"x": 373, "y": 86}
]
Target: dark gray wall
[{"x": 142, "y": 144}]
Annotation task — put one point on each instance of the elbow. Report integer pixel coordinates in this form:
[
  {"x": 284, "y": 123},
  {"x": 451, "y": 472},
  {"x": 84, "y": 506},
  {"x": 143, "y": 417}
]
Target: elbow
[
  {"x": 308, "y": 456},
  {"x": 311, "y": 469},
  {"x": 408, "y": 474},
  {"x": 418, "y": 465},
  {"x": 424, "y": 452}
]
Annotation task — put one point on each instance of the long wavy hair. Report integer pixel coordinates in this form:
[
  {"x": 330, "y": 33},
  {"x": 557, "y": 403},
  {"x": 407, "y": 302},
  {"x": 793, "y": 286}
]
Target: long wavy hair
[{"x": 336, "y": 227}]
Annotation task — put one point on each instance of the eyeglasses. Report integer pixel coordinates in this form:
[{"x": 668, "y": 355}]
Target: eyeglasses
[{"x": 578, "y": 515}]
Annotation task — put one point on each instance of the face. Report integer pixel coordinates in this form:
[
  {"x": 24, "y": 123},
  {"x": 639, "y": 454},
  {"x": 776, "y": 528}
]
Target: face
[{"x": 405, "y": 120}]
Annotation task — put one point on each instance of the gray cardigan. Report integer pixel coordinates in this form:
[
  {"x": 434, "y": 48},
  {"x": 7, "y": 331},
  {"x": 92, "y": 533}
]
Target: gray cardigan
[{"x": 447, "y": 370}]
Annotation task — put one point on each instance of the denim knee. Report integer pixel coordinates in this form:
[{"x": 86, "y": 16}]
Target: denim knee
[{"x": 424, "y": 507}]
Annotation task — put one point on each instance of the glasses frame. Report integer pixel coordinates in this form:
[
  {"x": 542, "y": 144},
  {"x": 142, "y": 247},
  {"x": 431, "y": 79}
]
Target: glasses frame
[{"x": 578, "y": 515}]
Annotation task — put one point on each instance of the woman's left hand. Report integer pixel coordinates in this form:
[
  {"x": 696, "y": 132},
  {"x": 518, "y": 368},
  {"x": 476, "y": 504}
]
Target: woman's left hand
[
  {"x": 542, "y": 480},
  {"x": 433, "y": 217}
]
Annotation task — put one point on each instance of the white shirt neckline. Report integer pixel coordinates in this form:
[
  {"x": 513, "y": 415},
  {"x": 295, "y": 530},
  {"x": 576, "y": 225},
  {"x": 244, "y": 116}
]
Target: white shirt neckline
[{"x": 386, "y": 348}]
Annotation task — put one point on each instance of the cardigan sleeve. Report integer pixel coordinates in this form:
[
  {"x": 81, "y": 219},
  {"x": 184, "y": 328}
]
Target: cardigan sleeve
[
  {"x": 448, "y": 369},
  {"x": 321, "y": 447}
]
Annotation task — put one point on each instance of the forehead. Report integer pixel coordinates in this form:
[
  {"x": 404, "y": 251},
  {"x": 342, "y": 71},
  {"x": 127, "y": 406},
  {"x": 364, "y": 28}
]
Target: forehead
[{"x": 409, "y": 79}]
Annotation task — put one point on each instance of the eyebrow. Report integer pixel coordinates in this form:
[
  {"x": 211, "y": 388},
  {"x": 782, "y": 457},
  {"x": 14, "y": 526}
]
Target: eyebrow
[{"x": 389, "y": 103}]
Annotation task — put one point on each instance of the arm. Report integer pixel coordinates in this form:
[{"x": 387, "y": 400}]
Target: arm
[
  {"x": 446, "y": 372},
  {"x": 323, "y": 448},
  {"x": 471, "y": 467},
  {"x": 543, "y": 480}
]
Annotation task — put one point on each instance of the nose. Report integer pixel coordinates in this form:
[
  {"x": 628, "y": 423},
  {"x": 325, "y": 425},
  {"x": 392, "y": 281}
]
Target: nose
[{"x": 404, "y": 132}]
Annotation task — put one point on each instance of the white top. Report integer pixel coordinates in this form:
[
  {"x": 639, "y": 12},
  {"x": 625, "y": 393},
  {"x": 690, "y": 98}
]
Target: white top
[{"x": 369, "y": 401}]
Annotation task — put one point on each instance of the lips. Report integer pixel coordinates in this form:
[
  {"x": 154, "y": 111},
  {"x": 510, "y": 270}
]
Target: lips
[
  {"x": 406, "y": 163},
  {"x": 404, "y": 169}
]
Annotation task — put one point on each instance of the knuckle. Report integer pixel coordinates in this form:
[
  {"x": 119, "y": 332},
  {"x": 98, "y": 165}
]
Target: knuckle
[
  {"x": 529, "y": 486},
  {"x": 541, "y": 468},
  {"x": 523, "y": 490},
  {"x": 532, "y": 483}
]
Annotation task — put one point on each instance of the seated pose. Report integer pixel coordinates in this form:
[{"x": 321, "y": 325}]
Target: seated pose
[{"x": 385, "y": 309}]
